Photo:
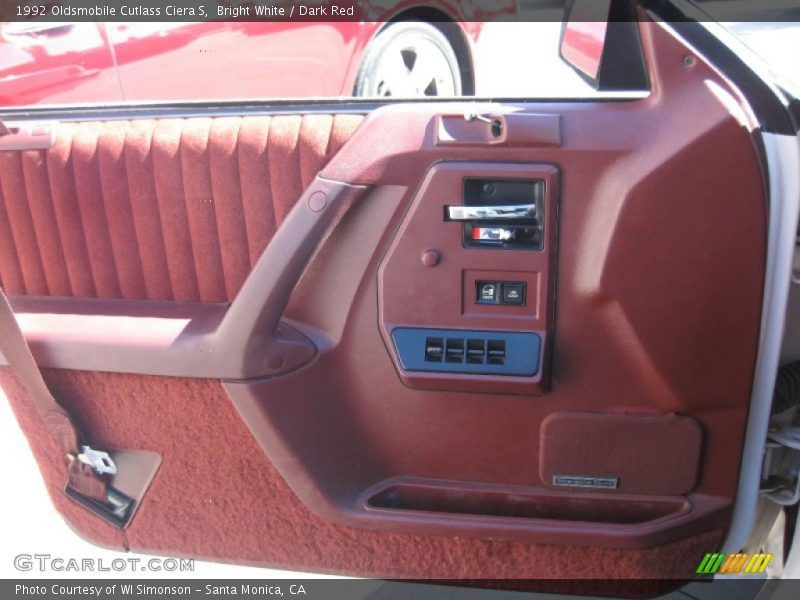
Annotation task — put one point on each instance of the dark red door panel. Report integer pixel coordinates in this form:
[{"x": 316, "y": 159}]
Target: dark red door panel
[
  {"x": 657, "y": 307},
  {"x": 230, "y": 291},
  {"x": 171, "y": 209},
  {"x": 225, "y": 501}
]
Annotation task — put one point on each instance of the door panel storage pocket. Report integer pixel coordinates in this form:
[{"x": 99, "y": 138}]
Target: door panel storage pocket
[{"x": 499, "y": 502}]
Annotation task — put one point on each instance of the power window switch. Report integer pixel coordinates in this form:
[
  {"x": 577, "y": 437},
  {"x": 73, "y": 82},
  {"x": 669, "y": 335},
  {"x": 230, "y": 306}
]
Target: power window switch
[
  {"x": 434, "y": 349},
  {"x": 514, "y": 293}
]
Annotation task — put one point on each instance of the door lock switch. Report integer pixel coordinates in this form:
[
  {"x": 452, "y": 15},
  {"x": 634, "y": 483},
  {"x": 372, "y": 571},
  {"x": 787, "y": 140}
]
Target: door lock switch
[
  {"x": 488, "y": 292},
  {"x": 513, "y": 293},
  {"x": 501, "y": 292}
]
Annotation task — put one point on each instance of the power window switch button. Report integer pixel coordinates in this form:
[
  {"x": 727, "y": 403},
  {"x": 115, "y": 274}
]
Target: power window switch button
[{"x": 513, "y": 293}]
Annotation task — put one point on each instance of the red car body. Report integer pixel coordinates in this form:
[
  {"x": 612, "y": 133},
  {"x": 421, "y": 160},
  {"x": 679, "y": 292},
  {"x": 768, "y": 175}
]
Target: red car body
[{"x": 56, "y": 63}]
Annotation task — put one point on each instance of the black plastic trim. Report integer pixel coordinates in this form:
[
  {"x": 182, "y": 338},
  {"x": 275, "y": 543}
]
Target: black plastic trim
[{"x": 622, "y": 66}]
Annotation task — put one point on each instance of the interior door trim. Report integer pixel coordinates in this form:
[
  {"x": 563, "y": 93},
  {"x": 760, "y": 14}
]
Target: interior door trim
[{"x": 243, "y": 340}]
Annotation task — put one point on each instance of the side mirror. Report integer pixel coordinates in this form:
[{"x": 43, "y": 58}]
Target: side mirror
[{"x": 600, "y": 41}]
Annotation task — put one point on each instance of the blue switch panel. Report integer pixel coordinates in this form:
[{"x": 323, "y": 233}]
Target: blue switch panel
[{"x": 466, "y": 351}]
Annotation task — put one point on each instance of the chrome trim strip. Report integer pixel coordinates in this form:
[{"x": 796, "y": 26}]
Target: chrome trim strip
[
  {"x": 183, "y": 110},
  {"x": 510, "y": 212}
]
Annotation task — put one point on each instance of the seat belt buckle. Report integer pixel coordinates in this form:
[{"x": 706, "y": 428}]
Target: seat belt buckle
[{"x": 100, "y": 461}]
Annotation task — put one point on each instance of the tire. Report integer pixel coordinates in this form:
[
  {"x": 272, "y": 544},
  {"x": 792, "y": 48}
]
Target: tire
[{"x": 409, "y": 59}]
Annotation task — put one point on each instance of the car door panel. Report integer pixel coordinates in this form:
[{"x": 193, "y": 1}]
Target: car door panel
[
  {"x": 187, "y": 193},
  {"x": 616, "y": 352},
  {"x": 224, "y": 500},
  {"x": 174, "y": 190},
  {"x": 317, "y": 448}
]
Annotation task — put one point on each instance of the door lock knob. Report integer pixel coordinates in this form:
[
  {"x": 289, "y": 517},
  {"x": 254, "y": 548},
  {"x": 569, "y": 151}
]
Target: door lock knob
[{"x": 496, "y": 124}]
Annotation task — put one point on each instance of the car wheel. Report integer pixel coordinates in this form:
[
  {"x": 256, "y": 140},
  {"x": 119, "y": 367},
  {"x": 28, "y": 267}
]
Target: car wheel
[{"x": 409, "y": 59}]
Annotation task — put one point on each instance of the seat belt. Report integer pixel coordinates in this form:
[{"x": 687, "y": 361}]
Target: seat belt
[{"x": 87, "y": 468}]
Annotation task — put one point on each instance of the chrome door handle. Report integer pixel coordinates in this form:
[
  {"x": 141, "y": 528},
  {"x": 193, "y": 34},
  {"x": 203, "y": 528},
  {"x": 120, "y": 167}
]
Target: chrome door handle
[{"x": 509, "y": 212}]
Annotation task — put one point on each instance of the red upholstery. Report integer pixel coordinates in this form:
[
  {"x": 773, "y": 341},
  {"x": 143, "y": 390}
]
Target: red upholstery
[
  {"x": 144, "y": 209},
  {"x": 217, "y": 496}
]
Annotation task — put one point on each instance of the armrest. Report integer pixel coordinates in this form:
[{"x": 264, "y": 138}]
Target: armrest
[{"x": 243, "y": 340}]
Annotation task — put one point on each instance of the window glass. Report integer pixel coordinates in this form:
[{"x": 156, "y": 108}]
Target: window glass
[
  {"x": 512, "y": 52},
  {"x": 770, "y": 28},
  {"x": 777, "y": 43}
]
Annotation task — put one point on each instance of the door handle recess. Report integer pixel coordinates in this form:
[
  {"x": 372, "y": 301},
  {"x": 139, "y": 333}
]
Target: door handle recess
[
  {"x": 507, "y": 213},
  {"x": 517, "y": 129}
]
